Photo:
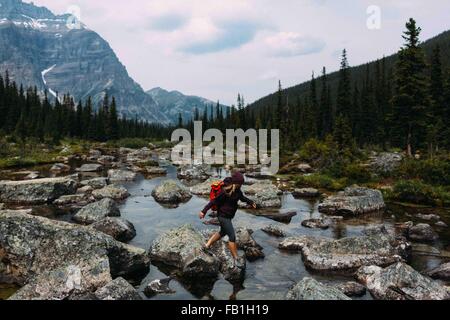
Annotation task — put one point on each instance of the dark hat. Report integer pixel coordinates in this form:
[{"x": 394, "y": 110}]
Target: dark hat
[
  {"x": 237, "y": 178},
  {"x": 227, "y": 182}
]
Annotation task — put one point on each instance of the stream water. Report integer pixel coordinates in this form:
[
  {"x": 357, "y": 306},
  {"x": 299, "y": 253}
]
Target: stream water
[{"x": 271, "y": 277}]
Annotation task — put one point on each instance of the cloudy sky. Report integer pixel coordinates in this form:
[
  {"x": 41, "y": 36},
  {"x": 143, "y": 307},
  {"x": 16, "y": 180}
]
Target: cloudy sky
[{"x": 217, "y": 48}]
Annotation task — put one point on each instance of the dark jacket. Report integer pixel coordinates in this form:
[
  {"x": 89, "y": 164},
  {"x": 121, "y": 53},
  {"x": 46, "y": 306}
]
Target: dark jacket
[{"x": 227, "y": 205}]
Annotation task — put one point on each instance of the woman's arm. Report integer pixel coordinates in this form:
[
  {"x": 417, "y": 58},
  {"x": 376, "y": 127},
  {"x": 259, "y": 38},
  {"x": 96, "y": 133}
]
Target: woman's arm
[
  {"x": 214, "y": 202},
  {"x": 243, "y": 198}
]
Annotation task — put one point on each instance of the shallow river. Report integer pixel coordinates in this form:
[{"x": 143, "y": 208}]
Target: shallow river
[{"x": 271, "y": 277}]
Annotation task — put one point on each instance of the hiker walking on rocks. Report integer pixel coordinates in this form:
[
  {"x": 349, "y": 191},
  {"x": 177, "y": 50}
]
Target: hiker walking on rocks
[{"x": 226, "y": 203}]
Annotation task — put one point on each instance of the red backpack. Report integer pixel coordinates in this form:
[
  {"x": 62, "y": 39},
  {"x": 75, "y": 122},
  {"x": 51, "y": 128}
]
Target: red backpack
[{"x": 216, "y": 188}]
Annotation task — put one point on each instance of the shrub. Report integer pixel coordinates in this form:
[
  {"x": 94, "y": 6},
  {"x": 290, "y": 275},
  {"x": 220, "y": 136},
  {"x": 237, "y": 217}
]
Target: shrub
[
  {"x": 133, "y": 143},
  {"x": 357, "y": 173},
  {"x": 321, "y": 181},
  {"x": 418, "y": 192},
  {"x": 434, "y": 171}
]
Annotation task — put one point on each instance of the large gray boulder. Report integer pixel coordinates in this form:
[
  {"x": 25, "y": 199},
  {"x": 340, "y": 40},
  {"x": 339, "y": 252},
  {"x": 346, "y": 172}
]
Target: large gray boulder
[
  {"x": 57, "y": 260},
  {"x": 353, "y": 201},
  {"x": 246, "y": 242},
  {"x": 400, "y": 282},
  {"x": 59, "y": 167},
  {"x": 118, "y": 289},
  {"x": 385, "y": 162},
  {"x": 182, "y": 248},
  {"x": 422, "y": 233},
  {"x": 97, "y": 211},
  {"x": 274, "y": 230},
  {"x": 310, "y": 289},
  {"x": 111, "y": 191},
  {"x": 170, "y": 192},
  {"x": 90, "y": 167},
  {"x": 194, "y": 172},
  {"x": 39, "y": 191},
  {"x": 74, "y": 200},
  {"x": 95, "y": 183},
  {"x": 348, "y": 254},
  {"x": 264, "y": 194},
  {"x": 118, "y": 228},
  {"x": 120, "y": 175}
]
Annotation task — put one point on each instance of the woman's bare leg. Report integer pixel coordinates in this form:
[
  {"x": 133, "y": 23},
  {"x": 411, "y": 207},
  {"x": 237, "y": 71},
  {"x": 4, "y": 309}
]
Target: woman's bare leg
[
  {"x": 216, "y": 237},
  {"x": 233, "y": 249}
]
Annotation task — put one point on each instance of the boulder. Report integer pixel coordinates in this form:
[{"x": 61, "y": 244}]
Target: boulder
[
  {"x": 33, "y": 176},
  {"x": 138, "y": 155},
  {"x": 316, "y": 224},
  {"x": 73, "y": 200},
  {"x": 67, "y": 282},
  {"x": 57, "y": 260},
  {"x": 428, "y": 217},
  {"x": 264, "y": 194},
  {"x": 274, "y": 231},
  {"x": 60, "y": 167},
  {"x": 96, "y": 211},
  {"x": 283, "y": 216},
  {"x": 204, "y": 188},
  {"x": 170, "y": 192},
  {"x": 246, "y": 242},
  {"x": 182, "y": 248},
  {"x": 194, "y": 172},
  {"x": 348, "y": 254},
  {"x": 85, "y": 190},
  {"x": 111, "y": 191},
  {"x": 106, "y": 160},
  {"x": 352, "y": 289},
  {"x": 94, "y": 154},
  {"x": 118, "y": 228},
  {"x": 39, "y": 191},
  {"x": 118, "y": 289},
  {"x": 227, "y": 266},
  {"x": 422, "y": 232},
  {"x": 95, "y": 183},
  {"x": 115, "y": 175},
  {"x": 155, "y": 171},
  {"x": 441, "y": 224},
  {"x": 400, "y": 282},
  {"x": 442, "y": 272},
  {"x": 385, "y": 162},
  {"x": 310, "y": 289},
  {"x": 353, "y": 201},
  {"x": 306, "y": 193},
  {"x": 90, "y": 167},
  {"x": 158, "y": 287}
]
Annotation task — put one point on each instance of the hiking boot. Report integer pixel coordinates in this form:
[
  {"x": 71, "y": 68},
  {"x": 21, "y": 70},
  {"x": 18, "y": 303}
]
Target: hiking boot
[{"x": 239, "y": 263}]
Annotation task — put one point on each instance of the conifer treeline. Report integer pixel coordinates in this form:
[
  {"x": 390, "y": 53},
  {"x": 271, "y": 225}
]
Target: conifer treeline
[
  {"x": 25, "y": 114},
  {"x": 405, "y": 106}
]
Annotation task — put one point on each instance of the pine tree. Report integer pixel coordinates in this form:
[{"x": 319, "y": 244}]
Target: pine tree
[
  {"x": 411, "y": 99},
  {"x": 436, "y": 127},
  {"x": 344, "y": 100},
  {"x": 180, "y": 120},
  {"x": 113, "y": 121}
]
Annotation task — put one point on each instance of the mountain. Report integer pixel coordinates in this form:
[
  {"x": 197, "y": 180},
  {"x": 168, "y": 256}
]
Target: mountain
[
  {"x": 172, "y": 103},
  {"x": 42, "y": 49},
  {"x": 302, "y": 90}
]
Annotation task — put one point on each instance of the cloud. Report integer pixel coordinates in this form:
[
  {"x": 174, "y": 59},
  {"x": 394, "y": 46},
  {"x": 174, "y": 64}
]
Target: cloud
[
  {"x": 229, "y": 35},
  {"x": 291, "y": 44},
  {"x": 168, "y": 22}
]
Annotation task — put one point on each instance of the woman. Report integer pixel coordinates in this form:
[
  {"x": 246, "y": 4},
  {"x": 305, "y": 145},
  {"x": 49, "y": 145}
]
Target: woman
[{"x": 227, "y": 205}]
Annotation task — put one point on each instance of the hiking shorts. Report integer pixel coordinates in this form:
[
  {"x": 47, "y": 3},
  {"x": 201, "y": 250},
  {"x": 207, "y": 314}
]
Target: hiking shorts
[{"x": 227, "y": 229}]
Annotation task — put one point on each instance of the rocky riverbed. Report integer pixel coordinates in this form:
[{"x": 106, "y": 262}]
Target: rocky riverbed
[{"x": 288, "y": 250}]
